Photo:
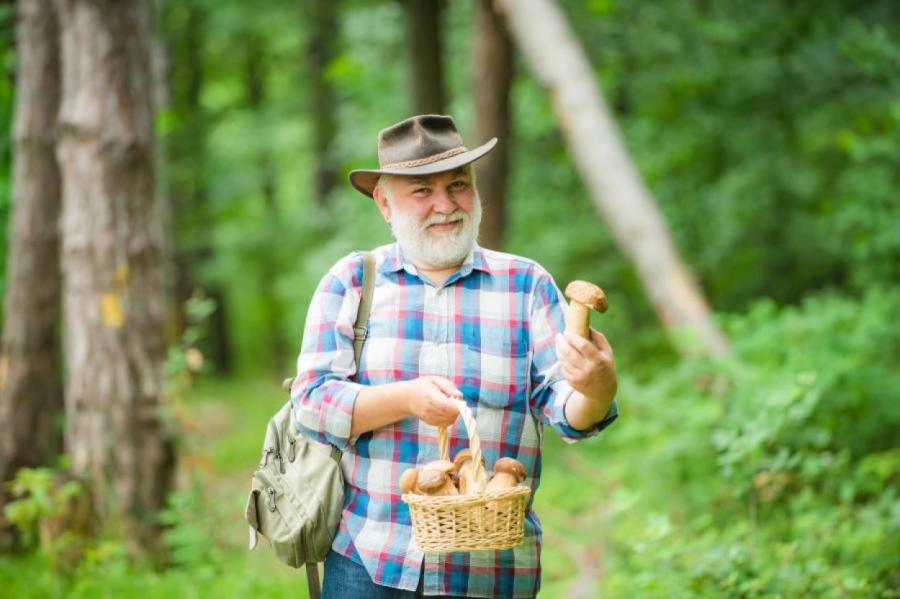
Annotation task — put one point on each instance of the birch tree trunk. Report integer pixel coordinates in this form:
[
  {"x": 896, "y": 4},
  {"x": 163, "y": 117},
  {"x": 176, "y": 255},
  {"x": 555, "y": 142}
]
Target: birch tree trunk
[
  {"x": 112, "y": 286},
  {"x": 30, "y": 387},
  {"x": 556, "y": 58},
  {"x": 492, "y": 72}
]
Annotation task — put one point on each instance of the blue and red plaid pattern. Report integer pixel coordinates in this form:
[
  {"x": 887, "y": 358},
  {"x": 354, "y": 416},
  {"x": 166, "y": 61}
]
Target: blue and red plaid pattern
[{"x": 490, "y": 329}]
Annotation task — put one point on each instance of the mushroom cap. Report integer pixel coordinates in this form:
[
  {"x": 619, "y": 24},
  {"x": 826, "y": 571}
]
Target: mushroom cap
[
  {"x": 510, "y": 466},
  {"x": 588, "y": 294},
  {"x": 408, "y": 480},
  {"x": 461, "y": 458},
  {"x": 432, "y": 480},
  {"x": 440, "y": 465}
]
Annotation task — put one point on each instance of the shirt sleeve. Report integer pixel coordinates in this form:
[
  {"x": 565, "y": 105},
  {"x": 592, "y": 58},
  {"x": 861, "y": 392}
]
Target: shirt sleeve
[
  {"x": 550, "y": 390},
  {"x": 322, "y": 393}
]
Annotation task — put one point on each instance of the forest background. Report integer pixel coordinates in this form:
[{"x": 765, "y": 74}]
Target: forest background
[{"x": 769, "y": 136}]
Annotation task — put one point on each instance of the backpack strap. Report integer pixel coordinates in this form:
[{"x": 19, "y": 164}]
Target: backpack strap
[
  {"x": 360, "y": 330},
  {"x": 312, "y": 581}
]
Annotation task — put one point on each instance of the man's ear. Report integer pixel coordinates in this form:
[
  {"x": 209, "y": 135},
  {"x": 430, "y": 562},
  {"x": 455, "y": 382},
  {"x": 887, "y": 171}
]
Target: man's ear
[{"x": 382, "y": 203}]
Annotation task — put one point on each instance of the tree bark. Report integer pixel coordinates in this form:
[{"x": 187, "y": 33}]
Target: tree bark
[
  {"x": 111, "y": 247},
  {"x": 31, "y": 395},
  {"x": 426, "y": 72},
  {"x": 320, "y": 51},
  {"x": 492, "y": 69},
  {"x": 559, "y": 63},
  {"x": 186, "y": 153}
]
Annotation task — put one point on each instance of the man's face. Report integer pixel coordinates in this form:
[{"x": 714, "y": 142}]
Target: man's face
[{"x": 435, "y": 218}]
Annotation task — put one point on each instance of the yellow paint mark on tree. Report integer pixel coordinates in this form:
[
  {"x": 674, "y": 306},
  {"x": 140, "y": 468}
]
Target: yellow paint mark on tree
[{"x": 111, "y": 310}]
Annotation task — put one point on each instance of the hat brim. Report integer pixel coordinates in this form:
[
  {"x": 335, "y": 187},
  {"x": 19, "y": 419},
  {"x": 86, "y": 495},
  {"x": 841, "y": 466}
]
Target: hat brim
[{"x": 365, "y": 180}]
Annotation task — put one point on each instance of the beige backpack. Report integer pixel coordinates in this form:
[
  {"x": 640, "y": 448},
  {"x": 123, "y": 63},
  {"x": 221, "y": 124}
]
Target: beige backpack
[{"x": 297, "y": 492}]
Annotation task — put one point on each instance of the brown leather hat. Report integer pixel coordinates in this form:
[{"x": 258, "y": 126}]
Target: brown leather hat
[{"x": 420, "y": 145}]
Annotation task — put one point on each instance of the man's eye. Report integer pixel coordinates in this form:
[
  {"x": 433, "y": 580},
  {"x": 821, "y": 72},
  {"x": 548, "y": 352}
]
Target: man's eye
[
  {"x": 421, "y": 190},
  {"x": 459, "y": 184}
]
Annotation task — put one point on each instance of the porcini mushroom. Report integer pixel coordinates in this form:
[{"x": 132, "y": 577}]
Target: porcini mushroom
[
  {"x": 508, "y": 472},
  {"x": 465, "y": 468},
  {"x": 408, "y": 480},
  {"x": 436, "y": 483},
  {"x": 442, "y": 465},
  {"x": 584, "y": 297}
]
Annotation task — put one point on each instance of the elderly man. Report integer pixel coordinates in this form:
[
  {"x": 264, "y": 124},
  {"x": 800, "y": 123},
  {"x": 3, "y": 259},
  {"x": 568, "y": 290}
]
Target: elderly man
[{"x": 448, "y": 319}]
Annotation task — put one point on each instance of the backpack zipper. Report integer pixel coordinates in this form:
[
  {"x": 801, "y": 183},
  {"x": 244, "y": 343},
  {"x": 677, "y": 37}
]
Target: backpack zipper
[
  {"x": 292, "y": 451},
  {"x": 270, "y": 490},
  {"x": 277, "y": 448}
]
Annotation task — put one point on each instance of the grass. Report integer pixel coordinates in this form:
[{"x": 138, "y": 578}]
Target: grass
[{"x": 224, "y": 426}]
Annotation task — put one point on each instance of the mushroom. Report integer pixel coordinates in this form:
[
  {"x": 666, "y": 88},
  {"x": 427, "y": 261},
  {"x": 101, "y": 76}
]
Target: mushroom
[
  {"x": 584, "y": 297},
  {"x": 408, "y": 480},
  {"x": 442, "y": 465},
  {"x": 465, "y": 468},
  {"x": 436, "y": 483},
  {"x": 508, "y": 473}
]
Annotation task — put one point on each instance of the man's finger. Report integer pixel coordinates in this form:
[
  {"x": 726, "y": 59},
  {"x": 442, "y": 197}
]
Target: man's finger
[
  {"x": 582, "y": 346},
  {"x": 446, "y": 386},
  {"x": 564, "y": 348},
  {"x": 603, "y": 345},
  {"x": 600, "y": 341},
  {"x": 442, "y": 402},
  {"x": 573, "y": 371}
]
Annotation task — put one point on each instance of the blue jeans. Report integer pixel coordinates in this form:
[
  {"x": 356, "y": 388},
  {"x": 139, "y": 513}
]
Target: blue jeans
[{"x": 345, "y": 579}]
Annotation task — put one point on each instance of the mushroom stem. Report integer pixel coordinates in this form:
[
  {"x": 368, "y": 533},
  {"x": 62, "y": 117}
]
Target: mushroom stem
[
  {"x": 502, "y": 480},
  {"x": 578, "y": 319}
]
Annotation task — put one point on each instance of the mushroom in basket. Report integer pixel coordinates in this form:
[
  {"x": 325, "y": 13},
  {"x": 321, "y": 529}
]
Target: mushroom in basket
[
  {"x": 465, "y": 470},
  {"x": 434, "y": 480},
  {"x": 508, "y": 473}
]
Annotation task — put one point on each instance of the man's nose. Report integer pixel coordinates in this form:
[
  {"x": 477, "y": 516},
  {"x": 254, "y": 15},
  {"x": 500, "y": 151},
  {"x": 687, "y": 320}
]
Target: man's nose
[{"x": 442, "y": 202}]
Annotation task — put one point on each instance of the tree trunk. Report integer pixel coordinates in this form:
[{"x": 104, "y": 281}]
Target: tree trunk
[
  {"x": 255, "y": 89},
  {"x": 426, "y": 73},
  {"x": 30, "y": 388},
  {"x": 558, "y": 61},
  {"x": 492, "y": 70},
  {"x": 320, "y": 51},
  {"x": 112, "y": 285},
  {"x": 186, "y": 155}
]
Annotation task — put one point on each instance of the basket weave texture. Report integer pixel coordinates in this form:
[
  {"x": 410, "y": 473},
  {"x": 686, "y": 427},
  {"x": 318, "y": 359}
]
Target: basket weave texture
[{"x": 483, "y": 520}]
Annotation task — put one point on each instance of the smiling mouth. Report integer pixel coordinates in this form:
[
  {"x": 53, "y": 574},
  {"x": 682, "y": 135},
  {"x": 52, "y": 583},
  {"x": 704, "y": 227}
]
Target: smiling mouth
[{"x": 444, "y": 226}]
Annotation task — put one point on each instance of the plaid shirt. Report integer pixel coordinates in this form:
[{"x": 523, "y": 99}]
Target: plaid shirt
[{"x": 490, "y": 329}]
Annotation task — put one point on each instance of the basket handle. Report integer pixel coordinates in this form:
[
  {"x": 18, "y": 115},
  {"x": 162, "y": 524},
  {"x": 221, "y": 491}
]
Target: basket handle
[{"x": 474, "y": 443}]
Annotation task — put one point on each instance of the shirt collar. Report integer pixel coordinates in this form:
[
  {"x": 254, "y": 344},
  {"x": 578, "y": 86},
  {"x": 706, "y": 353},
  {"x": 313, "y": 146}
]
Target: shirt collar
[{"x": 394, "y": 261}]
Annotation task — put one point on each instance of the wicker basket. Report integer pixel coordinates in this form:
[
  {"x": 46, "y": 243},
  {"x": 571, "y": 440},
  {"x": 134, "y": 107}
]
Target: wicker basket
[{"x": 483, "y": 520}]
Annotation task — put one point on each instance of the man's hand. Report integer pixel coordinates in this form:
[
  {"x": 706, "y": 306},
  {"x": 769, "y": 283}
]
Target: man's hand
[
  {"x": 589, "y": 367},
  {"x": 430, "y": 400}
]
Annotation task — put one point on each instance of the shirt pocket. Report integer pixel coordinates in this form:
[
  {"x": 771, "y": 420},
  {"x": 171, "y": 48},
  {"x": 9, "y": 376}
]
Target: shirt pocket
[{"x": 496, "y": 369}]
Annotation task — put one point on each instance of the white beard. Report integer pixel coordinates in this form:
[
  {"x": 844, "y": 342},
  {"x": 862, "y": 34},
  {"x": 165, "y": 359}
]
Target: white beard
[{"x": 441, "y": 250}]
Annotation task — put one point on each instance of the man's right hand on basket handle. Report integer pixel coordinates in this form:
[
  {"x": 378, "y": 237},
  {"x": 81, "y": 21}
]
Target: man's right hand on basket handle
[{"x": 429, "y": 398}]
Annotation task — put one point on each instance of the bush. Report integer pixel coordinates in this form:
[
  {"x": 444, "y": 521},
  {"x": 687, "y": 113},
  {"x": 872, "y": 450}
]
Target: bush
[{"x": 773, "y": 472}]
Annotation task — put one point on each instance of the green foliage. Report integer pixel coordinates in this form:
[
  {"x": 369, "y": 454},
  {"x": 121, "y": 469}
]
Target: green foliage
[
  {"x": 769, "y": 133},
  {"x": 38, "y": 496},
  {"x": 205, "y": 533},
  {"x": 774, "y": 472},
  {"x": 192, "y": 536},
  {"x": 7, "y": 92}
]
